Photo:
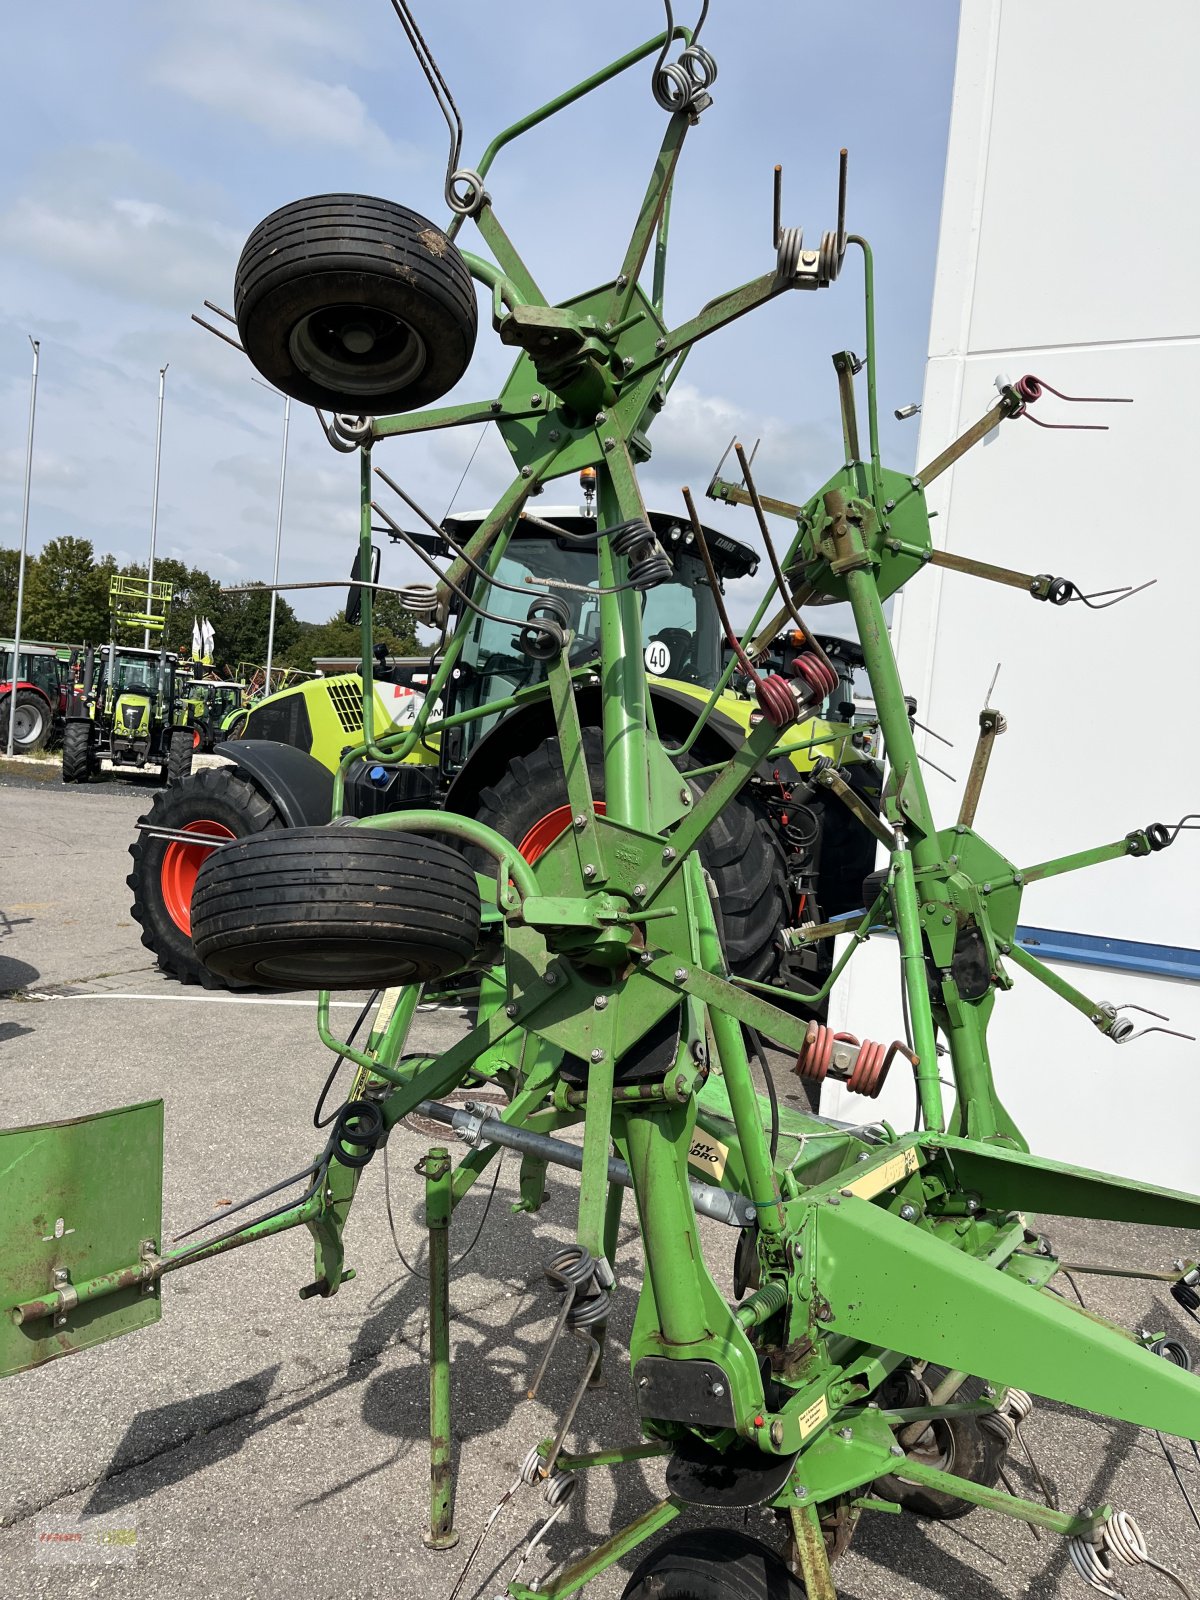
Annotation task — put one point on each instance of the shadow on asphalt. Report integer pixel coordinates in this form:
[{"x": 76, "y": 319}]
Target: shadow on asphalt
[{"x": 16, "y": 975}]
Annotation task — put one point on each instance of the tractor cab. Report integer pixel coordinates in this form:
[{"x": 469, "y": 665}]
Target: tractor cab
[
  {"x": 212, "y": 704},
  {"x": 33, "y": 692},
  {"x": 685, "y": 647}
]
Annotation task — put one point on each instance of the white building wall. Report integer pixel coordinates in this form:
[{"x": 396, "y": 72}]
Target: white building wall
[{"x": 1069, "y": 244}]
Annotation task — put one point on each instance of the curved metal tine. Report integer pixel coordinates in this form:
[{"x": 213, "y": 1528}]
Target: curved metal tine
[
  {"x": 1175, "y": 1033},
  {"x": 221, "y": 311},
  {"x": 208, "y": 328},
  {"x": 593, "y": 1361},
  {"x": 927, "y": 762},
  {"x": 727, "y": 449},
  {"x": 1129, "y": 1005},
  {"x": 941, "y": 737},
  {"x": 478, "y": 1545},
  {"x": 843, "y": 166},
  {"x": 338, "y": 443},
  {"x": 568, "y": 1302},
  {"x": 1126, "y": 593},
  {"x": 433, "y": 76},
  {"x": 403, "y": 534},
  {"x": 1186, "y": 823}
]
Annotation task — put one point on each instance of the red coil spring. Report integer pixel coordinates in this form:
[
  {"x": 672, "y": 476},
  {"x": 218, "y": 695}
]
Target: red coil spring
[
  {"x": 867, "y": 1075},
  {"x": 821, "y": 679},
  {"x": 778, "y": 703}
]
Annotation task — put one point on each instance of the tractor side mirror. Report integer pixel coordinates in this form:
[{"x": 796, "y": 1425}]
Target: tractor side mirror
[{"x": 354, "y": 597}]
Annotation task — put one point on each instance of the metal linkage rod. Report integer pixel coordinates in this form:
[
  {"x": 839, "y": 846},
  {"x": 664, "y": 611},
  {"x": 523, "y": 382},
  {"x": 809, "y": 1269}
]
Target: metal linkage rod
[{"x": 482, "y": 1125}]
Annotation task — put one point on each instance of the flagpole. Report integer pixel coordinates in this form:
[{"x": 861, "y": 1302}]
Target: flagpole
[
  {"x": 162, "y": 384},
  {"x": 287, "y": 411},
  {"x": 16, "y": 661}
]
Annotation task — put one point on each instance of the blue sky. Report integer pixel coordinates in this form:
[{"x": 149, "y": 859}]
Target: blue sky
[{"x": 144, "y": 141}]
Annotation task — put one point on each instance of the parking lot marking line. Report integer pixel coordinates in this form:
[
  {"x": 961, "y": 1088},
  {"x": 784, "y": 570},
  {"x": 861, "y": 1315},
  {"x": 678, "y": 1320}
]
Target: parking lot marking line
[{"x": 196, "y": 999}]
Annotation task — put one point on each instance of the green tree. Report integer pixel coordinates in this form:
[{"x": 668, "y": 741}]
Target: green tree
[
  {"x": 394, "y": 627},
  {"x": 9, "y": 562},
  {"x": 66, "y": 593}
]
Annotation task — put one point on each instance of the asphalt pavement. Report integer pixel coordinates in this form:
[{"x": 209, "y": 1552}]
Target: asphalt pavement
[{"x": 254, "y": 1445}]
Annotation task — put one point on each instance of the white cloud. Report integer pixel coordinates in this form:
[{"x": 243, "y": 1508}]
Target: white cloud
[{"x": 99, "y": 215}]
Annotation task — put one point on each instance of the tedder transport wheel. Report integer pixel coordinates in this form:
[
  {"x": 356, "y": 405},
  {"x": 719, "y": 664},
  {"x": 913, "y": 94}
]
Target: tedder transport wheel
[
  {"x": 712, "y": 1564},
  {"x": 31, "y": 727},
  {"x": 951, "y": 1444},
  {"x": 355, "y": 304},
  {"x": 335, "y": 907},
  {"x": 180, "y": 748},
  {"x": 78, "y": 762},
  {"x": 214, "y": 804},
  {"x": 741, "y": 851}
]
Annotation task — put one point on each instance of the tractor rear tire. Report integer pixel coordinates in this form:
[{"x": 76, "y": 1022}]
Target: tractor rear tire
[
  {"x": 180, "y": 749},
  {"x": 215, "y": 803},
  {"x": 33, "y": 722},
  {"x": 712, "y": 1564},
  {"x": 355, "y": 304},
  {"x": 336, "y": 907},
  {"x": 741, "y": 850},
  {"x": 78, "y": 761}
]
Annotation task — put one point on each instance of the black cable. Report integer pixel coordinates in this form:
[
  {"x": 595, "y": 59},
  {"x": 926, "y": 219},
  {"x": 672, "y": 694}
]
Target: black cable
[
  {"x": 333, "y": 1071},
  {"x": 459, "y": 1259},
  {"x": 772, "y": 1092}
]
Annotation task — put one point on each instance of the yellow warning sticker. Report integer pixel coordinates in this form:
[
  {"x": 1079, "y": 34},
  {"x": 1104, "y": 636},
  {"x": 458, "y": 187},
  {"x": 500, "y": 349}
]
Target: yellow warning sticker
[
  {"x": 708, "y": 1155},
  {"x": 814, "y": 1416},
  {"x": 894, "y": 1170}
]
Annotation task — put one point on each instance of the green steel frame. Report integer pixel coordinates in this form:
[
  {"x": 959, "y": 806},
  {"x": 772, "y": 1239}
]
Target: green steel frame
[{"x": 871, "y": 1248}]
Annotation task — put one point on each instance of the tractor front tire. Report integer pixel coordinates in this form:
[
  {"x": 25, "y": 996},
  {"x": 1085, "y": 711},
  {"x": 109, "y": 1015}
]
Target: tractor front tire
[
  {"x": 180, "y": 749},
  {"x": 712, "y": 1564},
  {"x": 355, "y": 304},
  {"x": 336, "y": 907},
  {"x": 33, "y": 722},
  {"x": 217, "y": 803},
  {"x": 78, "y": 761}
]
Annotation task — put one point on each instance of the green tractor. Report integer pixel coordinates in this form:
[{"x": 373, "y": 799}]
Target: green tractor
[
  {"x": 212, "y": 706},
  {"x": 785, "y": 850},
  {"x": 127, "y": 706}
]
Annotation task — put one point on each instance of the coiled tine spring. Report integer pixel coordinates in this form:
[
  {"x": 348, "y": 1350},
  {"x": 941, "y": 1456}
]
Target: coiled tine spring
[{"x": 1120, "y": 1540}]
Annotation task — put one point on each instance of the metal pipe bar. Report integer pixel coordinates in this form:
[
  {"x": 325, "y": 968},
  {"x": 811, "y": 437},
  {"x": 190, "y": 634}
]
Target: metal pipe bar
[
  {"x": 438, "y": 1207},
  {"x": 568, "y": 97},
  {"x": 720, "y": 1204}
]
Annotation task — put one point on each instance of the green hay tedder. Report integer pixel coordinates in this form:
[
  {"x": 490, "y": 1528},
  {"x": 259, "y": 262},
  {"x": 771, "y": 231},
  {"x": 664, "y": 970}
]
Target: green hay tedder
[{"x": 869, "y": 1259}]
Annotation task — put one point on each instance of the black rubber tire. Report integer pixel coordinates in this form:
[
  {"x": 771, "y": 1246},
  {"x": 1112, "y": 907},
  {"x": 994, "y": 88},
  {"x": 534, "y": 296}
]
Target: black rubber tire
[
  {"x": 336, "y": 907},
  {"x": 338, "y": 265},
  {"x": 741, "y": 850},
  {"x": 712, "y": 1564},
  {"x": 180, "y": 750},
  {"x": 215, "y": 795},
  {"x": 38, "y": 717},
  {"x": 954, "y": 1444},
  {"x": 77, "y": 759}
]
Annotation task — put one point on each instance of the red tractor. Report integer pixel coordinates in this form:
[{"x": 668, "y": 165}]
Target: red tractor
[{"x": 35, "y": 697}]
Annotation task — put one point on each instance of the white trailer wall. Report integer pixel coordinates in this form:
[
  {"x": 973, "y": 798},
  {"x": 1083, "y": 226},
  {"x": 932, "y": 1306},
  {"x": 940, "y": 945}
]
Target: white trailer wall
[{"x": 1069, "y": 243}]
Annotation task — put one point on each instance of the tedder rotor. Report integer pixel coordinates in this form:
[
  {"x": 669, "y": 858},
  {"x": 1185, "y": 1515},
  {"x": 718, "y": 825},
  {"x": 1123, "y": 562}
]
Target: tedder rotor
[{"x": 869, "y": 1259}]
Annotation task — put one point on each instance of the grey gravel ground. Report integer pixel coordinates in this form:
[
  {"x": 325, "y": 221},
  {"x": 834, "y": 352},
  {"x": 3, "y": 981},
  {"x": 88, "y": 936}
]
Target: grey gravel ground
[{"x": 265, "y": 1447}]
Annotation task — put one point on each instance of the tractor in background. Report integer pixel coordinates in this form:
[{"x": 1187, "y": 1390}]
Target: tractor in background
[
  {"x": 35, "y": 695},
  {"x": 126, "y": 706},
  {"x": 785, "y": 849}
]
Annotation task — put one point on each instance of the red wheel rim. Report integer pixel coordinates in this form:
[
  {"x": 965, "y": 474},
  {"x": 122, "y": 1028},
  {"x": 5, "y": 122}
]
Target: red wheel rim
[
  {"x": 180, "y": 864},
  {"x": 195, "y": 738},
  {"x": 551, "y": 827}
]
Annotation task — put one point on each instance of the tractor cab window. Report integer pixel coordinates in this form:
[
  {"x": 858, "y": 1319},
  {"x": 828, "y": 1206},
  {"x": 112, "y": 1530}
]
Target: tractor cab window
[
  {"x": 135, "y": 676},
  {"x": 680, "y": 629},
  {"x": 35, "y": 668}
]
